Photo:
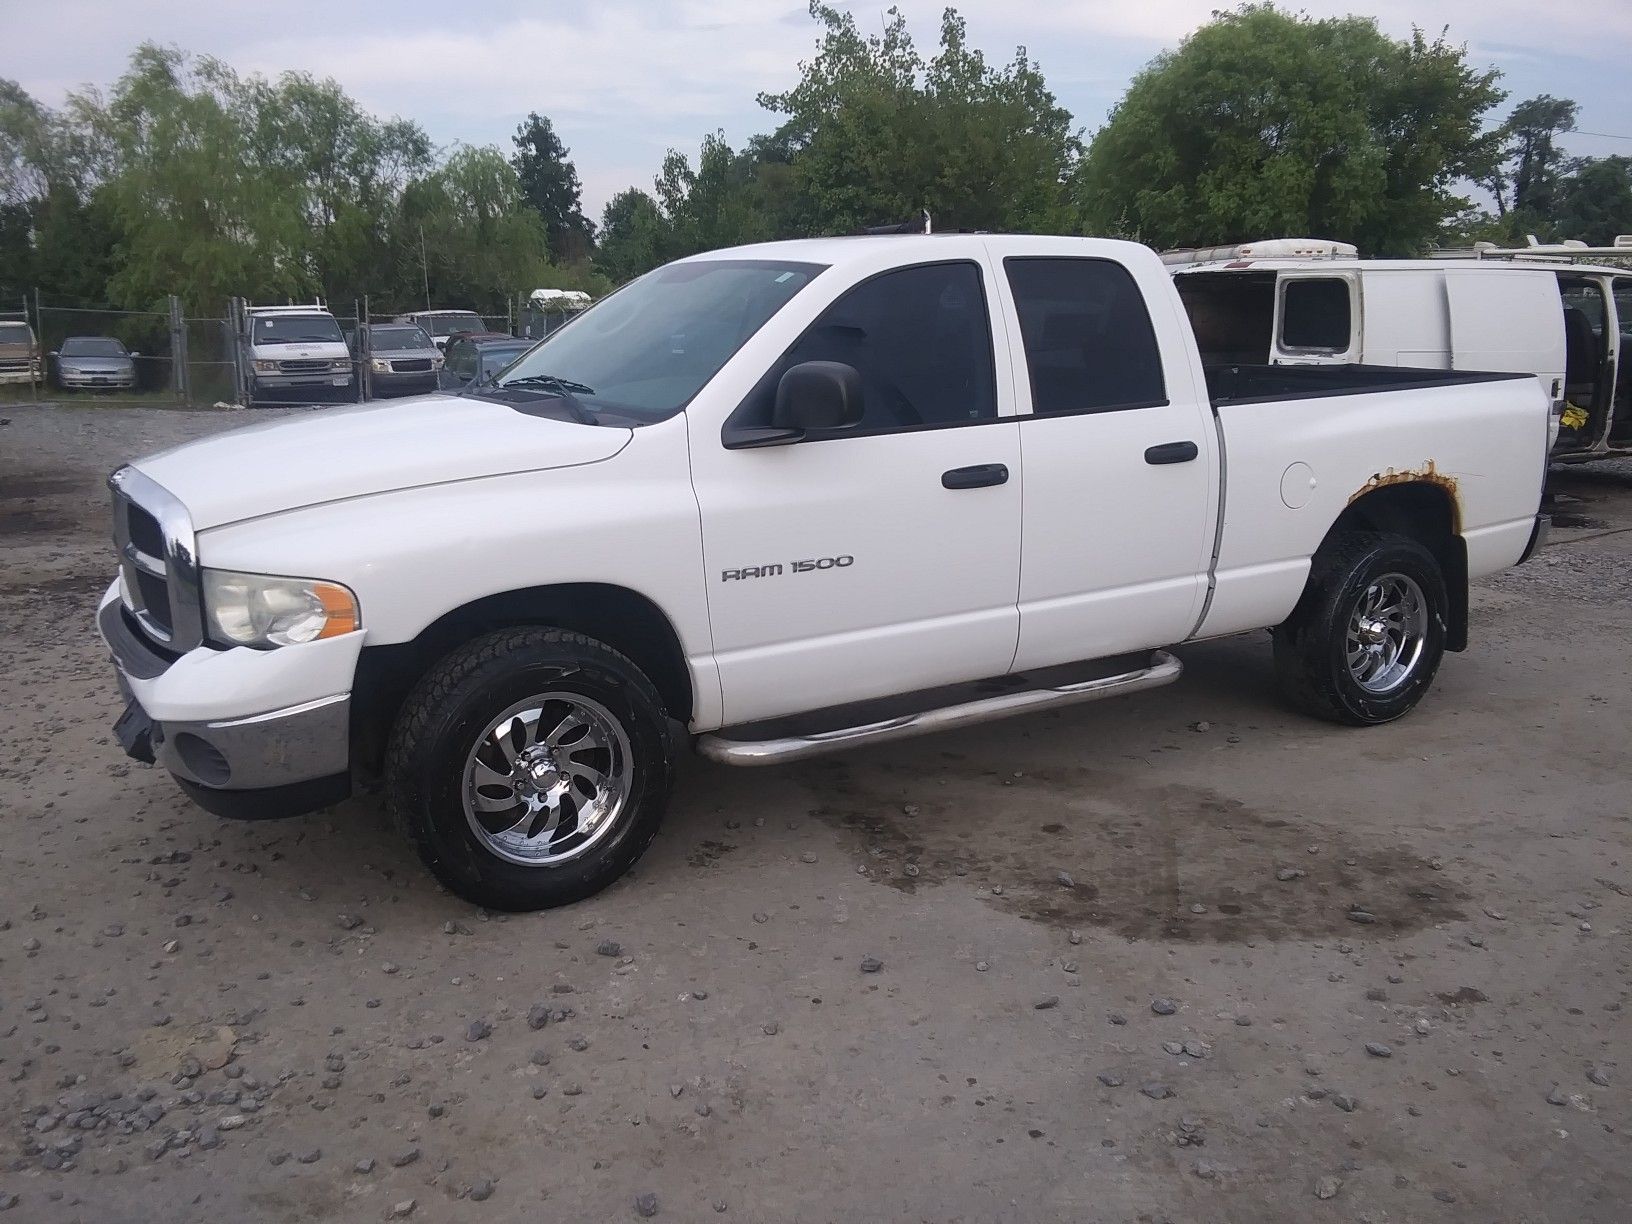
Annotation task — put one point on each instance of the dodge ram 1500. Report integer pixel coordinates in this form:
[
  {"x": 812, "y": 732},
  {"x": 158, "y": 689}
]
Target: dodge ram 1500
[{"x": 783, "y": 499}]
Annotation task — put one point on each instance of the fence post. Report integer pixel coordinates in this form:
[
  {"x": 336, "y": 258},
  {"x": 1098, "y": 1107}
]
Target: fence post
[
  {"x": 35, "y": 379},
  {"x": 241, "y": 375},
  {"x": 365, "y": 354},
  {"x": 180, "y": 382}
]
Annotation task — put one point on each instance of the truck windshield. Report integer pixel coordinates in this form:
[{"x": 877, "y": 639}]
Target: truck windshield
[
  {"x": 297, "y": 329},
  {"x": 643, "y": 352}
]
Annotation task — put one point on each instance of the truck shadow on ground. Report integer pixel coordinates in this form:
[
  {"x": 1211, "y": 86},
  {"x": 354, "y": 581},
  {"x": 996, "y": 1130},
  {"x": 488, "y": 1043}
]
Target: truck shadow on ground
[
  {"x": 1075, "y": 847},
  {"x": 1120, "y": 846}
]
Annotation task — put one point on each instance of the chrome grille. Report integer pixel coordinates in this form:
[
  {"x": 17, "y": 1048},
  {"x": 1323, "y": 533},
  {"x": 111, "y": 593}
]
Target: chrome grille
[{"x": 157, "y": 561}]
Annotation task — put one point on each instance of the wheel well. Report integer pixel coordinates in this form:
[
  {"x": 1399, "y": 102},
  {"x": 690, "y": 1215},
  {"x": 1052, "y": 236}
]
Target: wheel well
[
  {"x": 1427, "y": 512},
  {"x": 628, "y": 622}
]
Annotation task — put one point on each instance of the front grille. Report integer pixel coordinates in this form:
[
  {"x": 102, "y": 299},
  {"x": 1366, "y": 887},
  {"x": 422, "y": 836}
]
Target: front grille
[
  {"x": 155, "y": 598},
  {"x": 303, "y": 367},
  {"x": 8, "y": 363},
  {"x": 145, "y": 531},
  {"x": 154, "y": 536},
  {"x": 412, "y": 365}
]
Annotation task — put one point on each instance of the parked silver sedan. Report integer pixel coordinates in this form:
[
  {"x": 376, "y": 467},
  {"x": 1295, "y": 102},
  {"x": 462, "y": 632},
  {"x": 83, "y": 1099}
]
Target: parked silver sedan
[
  {"x": 94, "y": 363},
  {"x": 403, "y": 360}
]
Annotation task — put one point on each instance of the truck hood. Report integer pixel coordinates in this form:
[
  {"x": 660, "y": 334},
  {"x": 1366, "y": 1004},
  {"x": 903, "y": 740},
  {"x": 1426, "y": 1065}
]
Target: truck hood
[{"x": 339, "y": 453}]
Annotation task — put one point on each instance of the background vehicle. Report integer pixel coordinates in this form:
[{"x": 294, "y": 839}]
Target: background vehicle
[
  {"x": 296, "y": 353},
  {"x": 441, "y": 324},
  {"x": 402, "y": 360},
  {"x": 1304, "y": 301},
  {"x": 779, "y": 496},
  {"x": 548, "y": 309},
  {"x": 94, "y": 361},
  {"x": 472, "y": 358},
  {"x": 19, "y": 353}
]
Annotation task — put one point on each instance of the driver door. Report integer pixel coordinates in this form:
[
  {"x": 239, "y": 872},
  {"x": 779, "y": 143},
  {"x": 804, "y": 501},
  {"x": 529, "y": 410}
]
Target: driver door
[{"x": 884, "y": 557}]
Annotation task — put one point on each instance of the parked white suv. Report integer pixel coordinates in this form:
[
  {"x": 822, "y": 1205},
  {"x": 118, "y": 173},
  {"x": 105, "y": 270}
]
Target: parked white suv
[{"x": 777, "y": 498}]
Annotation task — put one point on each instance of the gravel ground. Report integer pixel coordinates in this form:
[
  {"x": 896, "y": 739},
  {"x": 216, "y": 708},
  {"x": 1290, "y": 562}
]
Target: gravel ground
[{"x": 1180, "y": 957}]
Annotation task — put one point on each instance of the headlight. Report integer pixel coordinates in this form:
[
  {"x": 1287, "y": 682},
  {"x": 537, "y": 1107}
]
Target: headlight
[
  {"x": 380, "y": 365},
  {"x": 266, "y": 367},
  {"x": 436, "y": 363},
  {"x": 260, "y": 610},
  {"x": 340, "y": 364}
]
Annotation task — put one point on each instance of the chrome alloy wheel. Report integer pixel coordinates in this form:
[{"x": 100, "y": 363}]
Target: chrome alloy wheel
[
  {"x": 1387, "y": 633},
  {"x": 547, "y": 779}
]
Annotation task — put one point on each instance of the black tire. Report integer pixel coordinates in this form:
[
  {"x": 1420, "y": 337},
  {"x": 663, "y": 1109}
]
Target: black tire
[
  {"x": 1311, "y": 660},
  {"x": 445, "y": 716}
]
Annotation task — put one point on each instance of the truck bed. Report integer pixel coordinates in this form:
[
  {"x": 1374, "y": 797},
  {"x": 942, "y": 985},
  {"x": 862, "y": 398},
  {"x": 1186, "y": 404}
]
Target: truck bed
[{"x": 1248, "y": 384}]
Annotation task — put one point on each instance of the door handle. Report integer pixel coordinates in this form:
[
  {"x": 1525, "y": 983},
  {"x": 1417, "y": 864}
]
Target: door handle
[
  {"x": 1172, "y": 452},
  {"x": 977, "y": 477}
]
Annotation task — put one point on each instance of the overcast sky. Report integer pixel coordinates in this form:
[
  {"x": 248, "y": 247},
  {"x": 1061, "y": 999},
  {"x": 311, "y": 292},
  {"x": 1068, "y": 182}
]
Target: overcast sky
[{"x": 624, "y": 80}]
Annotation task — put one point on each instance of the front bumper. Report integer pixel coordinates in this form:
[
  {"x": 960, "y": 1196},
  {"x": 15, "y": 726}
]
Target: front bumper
[
  {"x": 403, "y": 382},
  {"x": 13, "y": 377},
  {"x": 68, "y": 380},
  {"x": 313, "y": 379},
  {"x": 283, "y": 760}
]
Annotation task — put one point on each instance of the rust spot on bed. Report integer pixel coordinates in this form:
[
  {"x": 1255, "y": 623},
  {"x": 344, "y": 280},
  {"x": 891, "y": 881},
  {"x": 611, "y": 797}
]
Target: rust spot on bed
[{"x": 1428, "y": 474}]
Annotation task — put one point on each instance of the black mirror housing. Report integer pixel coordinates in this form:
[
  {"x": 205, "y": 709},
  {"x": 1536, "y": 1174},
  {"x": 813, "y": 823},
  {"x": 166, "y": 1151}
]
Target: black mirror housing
[{"x": 818, "y": 395}]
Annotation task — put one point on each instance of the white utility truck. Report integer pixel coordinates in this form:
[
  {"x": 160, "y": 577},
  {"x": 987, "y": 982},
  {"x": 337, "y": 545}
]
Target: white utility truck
[
  {"x": 786, "y": 499},
  {"x": 1535, "y": 309}
]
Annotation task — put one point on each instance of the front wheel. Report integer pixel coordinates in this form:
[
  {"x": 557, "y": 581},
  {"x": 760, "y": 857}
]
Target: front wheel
[
  {"x": 530, "y": 768},
  {"x": 1365, "y": 641}
]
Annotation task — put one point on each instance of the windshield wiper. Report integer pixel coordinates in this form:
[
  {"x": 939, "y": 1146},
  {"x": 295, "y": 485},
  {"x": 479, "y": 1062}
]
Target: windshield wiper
[
  {"x": 561, "y": 389},
  {"x": 566, "y": 384}
]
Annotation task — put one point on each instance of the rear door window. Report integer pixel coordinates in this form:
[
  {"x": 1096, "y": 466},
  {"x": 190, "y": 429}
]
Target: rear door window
[
  {"x": 1090, "y": 346},
  {"x": 1316, "y": 315}
]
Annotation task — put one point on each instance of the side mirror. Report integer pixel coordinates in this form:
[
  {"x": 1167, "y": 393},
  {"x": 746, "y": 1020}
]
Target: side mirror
[
  {"x": 818, "y": 395},
  {"x": 52, "y": 353}
]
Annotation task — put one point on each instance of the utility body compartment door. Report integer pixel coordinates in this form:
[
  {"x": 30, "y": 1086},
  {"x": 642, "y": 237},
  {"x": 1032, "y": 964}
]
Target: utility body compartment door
[{"x": 1122, "y": 470}]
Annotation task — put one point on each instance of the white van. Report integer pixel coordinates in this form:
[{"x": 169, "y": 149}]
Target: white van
[
  {"x": 296, "y": 354},
  {"x": 1308, "y": 302}
]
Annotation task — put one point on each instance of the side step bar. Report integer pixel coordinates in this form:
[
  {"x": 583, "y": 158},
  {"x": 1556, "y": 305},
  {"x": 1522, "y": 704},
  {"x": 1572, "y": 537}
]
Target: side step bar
[{"x": 1162, "y": 669}]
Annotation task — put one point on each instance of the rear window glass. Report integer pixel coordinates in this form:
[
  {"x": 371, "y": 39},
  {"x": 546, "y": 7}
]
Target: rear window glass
[
  {"x": 1315, "y": 314},
  {"x": 1089, "y": 343}
]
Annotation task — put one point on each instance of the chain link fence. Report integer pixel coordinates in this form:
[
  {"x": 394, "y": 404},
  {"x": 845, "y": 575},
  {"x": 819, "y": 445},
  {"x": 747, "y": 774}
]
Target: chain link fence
[{"x": 58, "y": 351}]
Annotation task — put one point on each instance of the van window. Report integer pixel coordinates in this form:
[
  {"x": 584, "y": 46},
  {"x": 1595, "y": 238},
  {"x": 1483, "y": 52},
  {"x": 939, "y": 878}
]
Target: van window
[{"x": 1315, "y": 315}]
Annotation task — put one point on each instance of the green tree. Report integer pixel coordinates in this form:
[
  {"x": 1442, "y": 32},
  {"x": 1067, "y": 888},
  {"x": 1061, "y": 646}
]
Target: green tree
[
  {"x": 549, "y": 184},
  {"x": 1593, "y": 201},
  {"x": 1524, "y": 179},
  {"x": 635, "y": 236},
  {"x": 481, "y": 243},
  {"x": 875, "y": 133},
  {"x": 1266, "y": 123},
  {"x": 198, "y": 213}
]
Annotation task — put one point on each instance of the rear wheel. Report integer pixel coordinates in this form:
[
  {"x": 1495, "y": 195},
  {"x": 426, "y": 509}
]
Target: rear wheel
[
  {"x": 530, "y": 768},
  {"x": 1365, "y": 641}
]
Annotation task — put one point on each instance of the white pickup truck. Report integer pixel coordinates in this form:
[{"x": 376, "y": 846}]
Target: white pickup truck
[{"x": 786, "y": 499}]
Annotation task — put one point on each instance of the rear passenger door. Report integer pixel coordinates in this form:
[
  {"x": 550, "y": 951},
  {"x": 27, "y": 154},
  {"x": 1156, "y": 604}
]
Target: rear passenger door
[{"x": 1120, "y": 492}]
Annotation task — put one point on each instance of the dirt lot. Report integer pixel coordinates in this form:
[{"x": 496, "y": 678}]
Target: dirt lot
[{"x": 1121, "y": 977}]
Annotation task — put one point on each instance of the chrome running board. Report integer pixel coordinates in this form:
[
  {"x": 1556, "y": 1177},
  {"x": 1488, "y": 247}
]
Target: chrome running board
[{"x": 1162, "y": 668}]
